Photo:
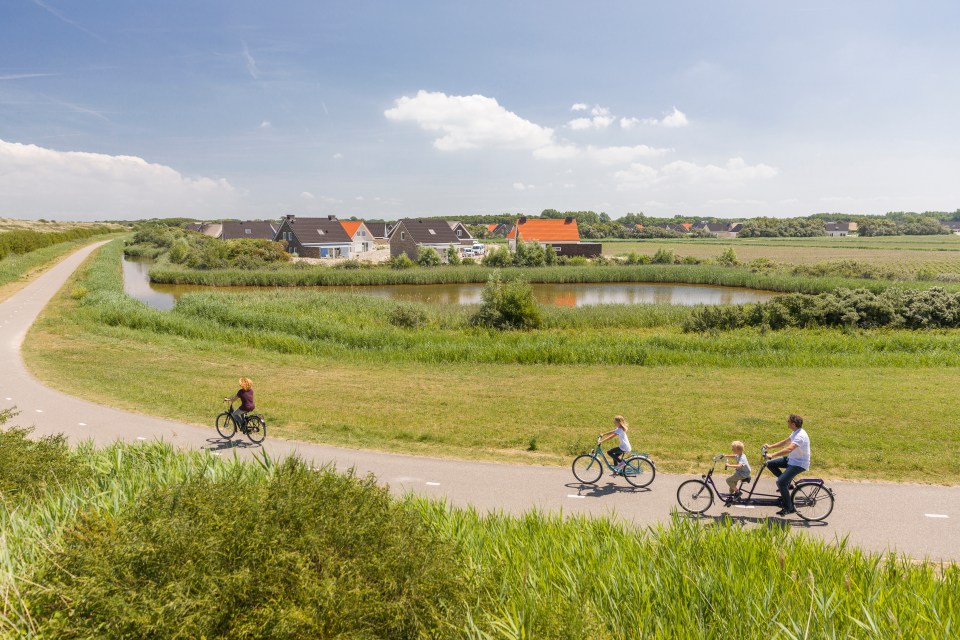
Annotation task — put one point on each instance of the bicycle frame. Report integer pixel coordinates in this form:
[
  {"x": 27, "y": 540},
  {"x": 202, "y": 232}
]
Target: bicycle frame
[
  {"x": 751, "y": 498},
  {"x": 601, "y": 454}
]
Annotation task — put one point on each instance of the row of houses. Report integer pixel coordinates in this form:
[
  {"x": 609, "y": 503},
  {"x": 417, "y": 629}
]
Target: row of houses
[{"x": 329, "y": 237}]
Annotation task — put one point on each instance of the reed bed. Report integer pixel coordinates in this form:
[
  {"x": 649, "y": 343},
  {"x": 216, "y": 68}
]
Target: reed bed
[
  {"x": 297, "y": 276},
  {"x": 538, "y": 575}
]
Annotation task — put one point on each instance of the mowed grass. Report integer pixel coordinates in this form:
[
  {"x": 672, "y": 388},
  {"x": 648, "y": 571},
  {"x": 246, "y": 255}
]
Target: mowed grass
[
  {"x": 17, "y": 270},
  {"x": 940, "y": 253}
]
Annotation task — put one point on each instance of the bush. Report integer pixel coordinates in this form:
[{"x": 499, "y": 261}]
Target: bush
[
  {"x": 507, "y": 305},
  {"x": 663, "y": 256},
  {"x": 428, "y": 257},
  {"x": 401, "y": 261},
  {"x": 499, "y": 257},
  {"x": 349, "y": 264},
  {"x": 728, "y": 258},
  {"x": 301, "y": 555},
  {"x": 453, "y": 255},
  {"x": 408, "y": 317},
  {"x": 468, "y": 261},
  {"x": 27, "y": 466},
  {"x": 577, "y": 261}
]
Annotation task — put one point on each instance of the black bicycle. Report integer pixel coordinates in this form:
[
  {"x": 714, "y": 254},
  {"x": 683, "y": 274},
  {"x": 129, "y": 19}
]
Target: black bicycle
[
  {"x": 253, "y": 425},
  {"x": 812, "y": 499}
]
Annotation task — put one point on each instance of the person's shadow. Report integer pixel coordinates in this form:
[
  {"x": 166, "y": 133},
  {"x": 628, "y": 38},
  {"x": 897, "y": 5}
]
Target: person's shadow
[
  {"x": 771, "y": 521},
  {"x": 598, "y": 491},
  {"x": 224, "y": 444}
]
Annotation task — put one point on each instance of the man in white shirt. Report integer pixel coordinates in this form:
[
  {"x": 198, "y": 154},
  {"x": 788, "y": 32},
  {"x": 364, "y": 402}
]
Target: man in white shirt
[{"x": 790, "y": 461}]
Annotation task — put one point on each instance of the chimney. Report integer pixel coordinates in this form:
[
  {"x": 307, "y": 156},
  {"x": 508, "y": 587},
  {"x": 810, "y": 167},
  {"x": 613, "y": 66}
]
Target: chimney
[
  {"x": 568, "y": 220},
  {"x": 331, "y": 217},
  {"x": 290, "y": 217},
  {"x": 522, "y": 220}
]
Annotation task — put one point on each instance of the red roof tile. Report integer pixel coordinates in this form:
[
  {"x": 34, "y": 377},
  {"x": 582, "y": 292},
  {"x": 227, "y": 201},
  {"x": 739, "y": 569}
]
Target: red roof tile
[
  {"x": 351, "y": 226},
  {"x": 554, "y": 230}
]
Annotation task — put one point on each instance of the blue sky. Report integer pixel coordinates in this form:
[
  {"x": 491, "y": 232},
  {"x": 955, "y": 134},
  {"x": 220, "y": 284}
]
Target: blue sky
[{"x": 389, "y": 109}]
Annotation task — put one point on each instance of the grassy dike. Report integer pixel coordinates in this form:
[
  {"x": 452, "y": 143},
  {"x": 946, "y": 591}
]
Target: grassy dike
[
  {"x": 332, "y": 368},
  {"x": 137, "y": 541},
  {"x": 18, "y": 269}
]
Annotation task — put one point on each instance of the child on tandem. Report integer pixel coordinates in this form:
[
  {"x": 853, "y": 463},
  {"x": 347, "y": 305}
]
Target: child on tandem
[{"x": 741, "y": 467}]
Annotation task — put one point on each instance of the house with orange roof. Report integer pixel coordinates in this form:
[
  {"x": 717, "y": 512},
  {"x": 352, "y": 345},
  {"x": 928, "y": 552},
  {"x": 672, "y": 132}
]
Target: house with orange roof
[
  {"x": 560, "y": 233},
  {"x": 360, "y": 235}
]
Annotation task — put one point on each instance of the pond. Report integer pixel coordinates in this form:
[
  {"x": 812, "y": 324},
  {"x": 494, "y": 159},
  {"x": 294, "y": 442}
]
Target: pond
[{"x": 136, "y": 283}]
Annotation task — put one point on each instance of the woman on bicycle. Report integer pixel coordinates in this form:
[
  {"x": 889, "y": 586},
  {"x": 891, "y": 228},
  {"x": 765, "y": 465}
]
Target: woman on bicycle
[
  {"x": 620, "y": 431},
  {"x": 245, "y": 395}
]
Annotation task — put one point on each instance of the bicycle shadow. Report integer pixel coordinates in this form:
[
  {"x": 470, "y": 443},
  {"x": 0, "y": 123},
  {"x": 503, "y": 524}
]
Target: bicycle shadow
[
  {"x": 772, "y": 521},
  {"x": 598, "y": 491},
  {"x": 223, "y": 444}
]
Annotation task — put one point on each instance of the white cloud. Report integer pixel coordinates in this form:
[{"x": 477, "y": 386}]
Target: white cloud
[
  {"x": 579, "y": 107},
  {"x": 736, "y": 170},
  {"x": 623, "y": 155},
  {"x": 676, "y": 118},
  {"x": 337, "y": 156},
  {"x": 600, "y": 119},
  {"x": 681, "y": 172},
  {"x": 266, "y": 125},
  {"x": 556, "y": 152},
  {"x": 469, "y": 122},
  {"x": 250, "y": 63},
  {"x": 519, "y": 186},
  {"x": 39, "y": 181},
  {"x": 306, "y": 195}
]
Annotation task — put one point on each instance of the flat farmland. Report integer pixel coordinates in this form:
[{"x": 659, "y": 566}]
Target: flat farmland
[{"x": 939, "y": 253}]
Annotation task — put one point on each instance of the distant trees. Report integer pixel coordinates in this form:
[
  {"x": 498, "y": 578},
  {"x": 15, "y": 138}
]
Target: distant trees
[
  {"x": 782, "y": 228},
  {"x": 26, "y": 240}
]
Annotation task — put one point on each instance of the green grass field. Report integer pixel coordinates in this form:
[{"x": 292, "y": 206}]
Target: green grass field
[
  {"x": 331, "y": 368},
  {"x": 139, "y": 541}
]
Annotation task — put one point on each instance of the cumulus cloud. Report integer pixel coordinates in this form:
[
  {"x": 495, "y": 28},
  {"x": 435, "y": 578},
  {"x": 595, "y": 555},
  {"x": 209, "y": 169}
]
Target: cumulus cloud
[
  {"x": 337, "y": 155},
  {"x": 623, "y": 155},
  {"x": 519, "y": 186},
  {"x": 306, "y": 195},
  {"x": 681, "y": 172},
  {"x": 35, "y": 181},
  {"x": 600, "y": 118},
  {"x": 469, "y": 122},
  {"x": 266, "y": 125},
  {"x": 579, "y": 107},
  {"x": 674, "y": 119}
]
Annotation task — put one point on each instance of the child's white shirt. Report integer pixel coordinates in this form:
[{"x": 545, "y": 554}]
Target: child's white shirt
[{"x": 624, "y": 441}]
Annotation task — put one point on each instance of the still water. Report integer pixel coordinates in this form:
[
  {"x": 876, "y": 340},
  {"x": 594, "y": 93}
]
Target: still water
[{"x": 136, "y": 283}]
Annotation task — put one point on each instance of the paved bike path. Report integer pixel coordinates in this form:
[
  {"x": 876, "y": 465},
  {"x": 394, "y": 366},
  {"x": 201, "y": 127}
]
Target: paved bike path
[{"x": 920, "y": 520}]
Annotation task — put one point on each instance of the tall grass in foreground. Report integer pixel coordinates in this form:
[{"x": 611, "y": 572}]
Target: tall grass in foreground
[{"x": 161, "y": 544}]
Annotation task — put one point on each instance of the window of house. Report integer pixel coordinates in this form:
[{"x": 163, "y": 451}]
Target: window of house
[
  {"x": 403, "y": 236},
  {"x": 459, "y": 232},
  {"x": 246, "y": 231},
  {"x": 432, "y": 232},
  {"x": 321, "y": 232}
]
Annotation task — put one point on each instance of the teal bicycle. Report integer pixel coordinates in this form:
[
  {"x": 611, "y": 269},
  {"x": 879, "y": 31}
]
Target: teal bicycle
[{"x": 639, "y": 470}]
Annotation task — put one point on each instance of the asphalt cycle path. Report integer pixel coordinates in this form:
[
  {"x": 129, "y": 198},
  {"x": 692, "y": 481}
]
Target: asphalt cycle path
[{"x": 920, "y": 520}]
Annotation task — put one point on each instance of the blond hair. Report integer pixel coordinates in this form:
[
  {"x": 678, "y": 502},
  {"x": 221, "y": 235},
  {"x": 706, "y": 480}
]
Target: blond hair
[
  {"x": 620, "y": 420},
  {"x": 736, "y": 445},
  {"x": 246, "y": 383}
]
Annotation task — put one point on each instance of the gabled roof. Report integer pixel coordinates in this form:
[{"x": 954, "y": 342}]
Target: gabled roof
[
  {"x": 491, "y": 227},
  {"x": 549, "y": 230},
  {"x": 429, "y": 231},
  {"x": 351, "y": 226},
  {"x": 377, "y": 229},
  {"x": 318, "y": 230},
  {"x": 249, "y": 230},
  {"x": 717, "y": 227}
]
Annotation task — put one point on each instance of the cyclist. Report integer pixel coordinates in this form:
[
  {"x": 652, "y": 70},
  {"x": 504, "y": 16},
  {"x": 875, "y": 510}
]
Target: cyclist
[
  {"x": 790, "y": 461},
  {"x": 245, "y": 395},
  {"x": 620, "y": 431}
]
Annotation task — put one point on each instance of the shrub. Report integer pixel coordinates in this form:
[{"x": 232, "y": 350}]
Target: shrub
[
  {"x": 499, "y": 257},
  {"x": 401, "y": 261},
  {"x": 577, "y": 261},
  {"x": 453, "y": 255},
  {"x": 468, "y": 261},
  {"x": 550, "y": 255},
  {"x": 301, "y": 555},
  {"x": 663, "y": 256},
  {"x": 728, "y": 258},
  {"x": 428, "y": 257},
  {"x": 408, "y": 316},
  {"x": 349, "y": 264},
  {"x": 507, "y": 305},
  {"x": 29, "y": 466}
]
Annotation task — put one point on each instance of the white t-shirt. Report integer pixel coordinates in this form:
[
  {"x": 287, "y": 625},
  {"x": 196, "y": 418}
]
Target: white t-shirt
[
  {"x": 624, "y": 441},
  {"x": 744, "y": 470},
  {"x": 800, "y": 456}
]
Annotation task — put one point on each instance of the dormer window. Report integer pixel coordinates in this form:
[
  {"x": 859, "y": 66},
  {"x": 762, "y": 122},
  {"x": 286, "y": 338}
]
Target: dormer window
[
  {"x": 432, "y": 232},
  {"x": 459, "y": 232},
  {"x": 246, "y": 231}
]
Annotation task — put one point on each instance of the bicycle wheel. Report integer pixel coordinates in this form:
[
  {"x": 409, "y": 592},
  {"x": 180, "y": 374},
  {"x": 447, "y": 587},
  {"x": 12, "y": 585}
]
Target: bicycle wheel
[
  {"x": 639, "y": 471},
  {"x": 813, "y": 502},
  {"x": 587, "y": 468},
  {"x": 256, "y": 429},
  {"x": 226, "y": 427},
  {"x": 694, "y": 496}
]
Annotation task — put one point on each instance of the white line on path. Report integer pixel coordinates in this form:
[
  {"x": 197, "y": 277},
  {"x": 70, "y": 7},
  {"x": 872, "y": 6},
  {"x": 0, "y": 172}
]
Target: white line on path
[
  {"x": 216, "y": 453},
  {"x": 39, "y": 410},
  {"x": 140, "y": 438},
  {"x": 744, "y": 506},
  {"x": 82, "y": 424},
  {"x": 433, "y": 484},
  {"x": 936, "y": 515},
  {"x": 9, "y": 398},
  {"x": 573, "y": 495}
]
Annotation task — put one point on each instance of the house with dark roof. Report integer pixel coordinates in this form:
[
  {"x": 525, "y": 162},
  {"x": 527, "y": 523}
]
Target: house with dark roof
[
  {"x": 315, "y": 237},
  {"x": 723, "y": 229},
  {"x": 360, "y": 234},
  {"x": 840, "y": 229},
  {"x": 380, "y": 230},
  {"x": 212, "y": 229},
  {"x": 953, "y": 225},
  {"x": 251, "y": 230},
  {"x": 499, "y": 230},
  {"x": 410, "y": 234},
  {"x": 461, "y": 231}
]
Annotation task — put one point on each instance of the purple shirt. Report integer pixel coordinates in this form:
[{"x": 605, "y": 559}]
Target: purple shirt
[{"x": 246, "y": 399}]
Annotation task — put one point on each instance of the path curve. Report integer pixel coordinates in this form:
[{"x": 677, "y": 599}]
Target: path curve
[{"x": 920, "y": 520}]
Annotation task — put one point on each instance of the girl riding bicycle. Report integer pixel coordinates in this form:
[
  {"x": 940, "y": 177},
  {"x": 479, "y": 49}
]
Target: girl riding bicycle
[
  {"x": 620, "y": 431},
  {"x": 245, "y": 395}
]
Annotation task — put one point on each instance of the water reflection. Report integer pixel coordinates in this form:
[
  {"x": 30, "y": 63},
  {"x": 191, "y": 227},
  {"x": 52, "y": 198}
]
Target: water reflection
[{"x": 137, "y": 284}]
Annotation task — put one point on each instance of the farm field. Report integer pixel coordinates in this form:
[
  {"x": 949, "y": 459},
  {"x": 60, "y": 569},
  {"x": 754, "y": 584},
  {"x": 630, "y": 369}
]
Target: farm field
[
  {"x": 538, "y": 396},
  {"x": 941, "y": 254}
]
